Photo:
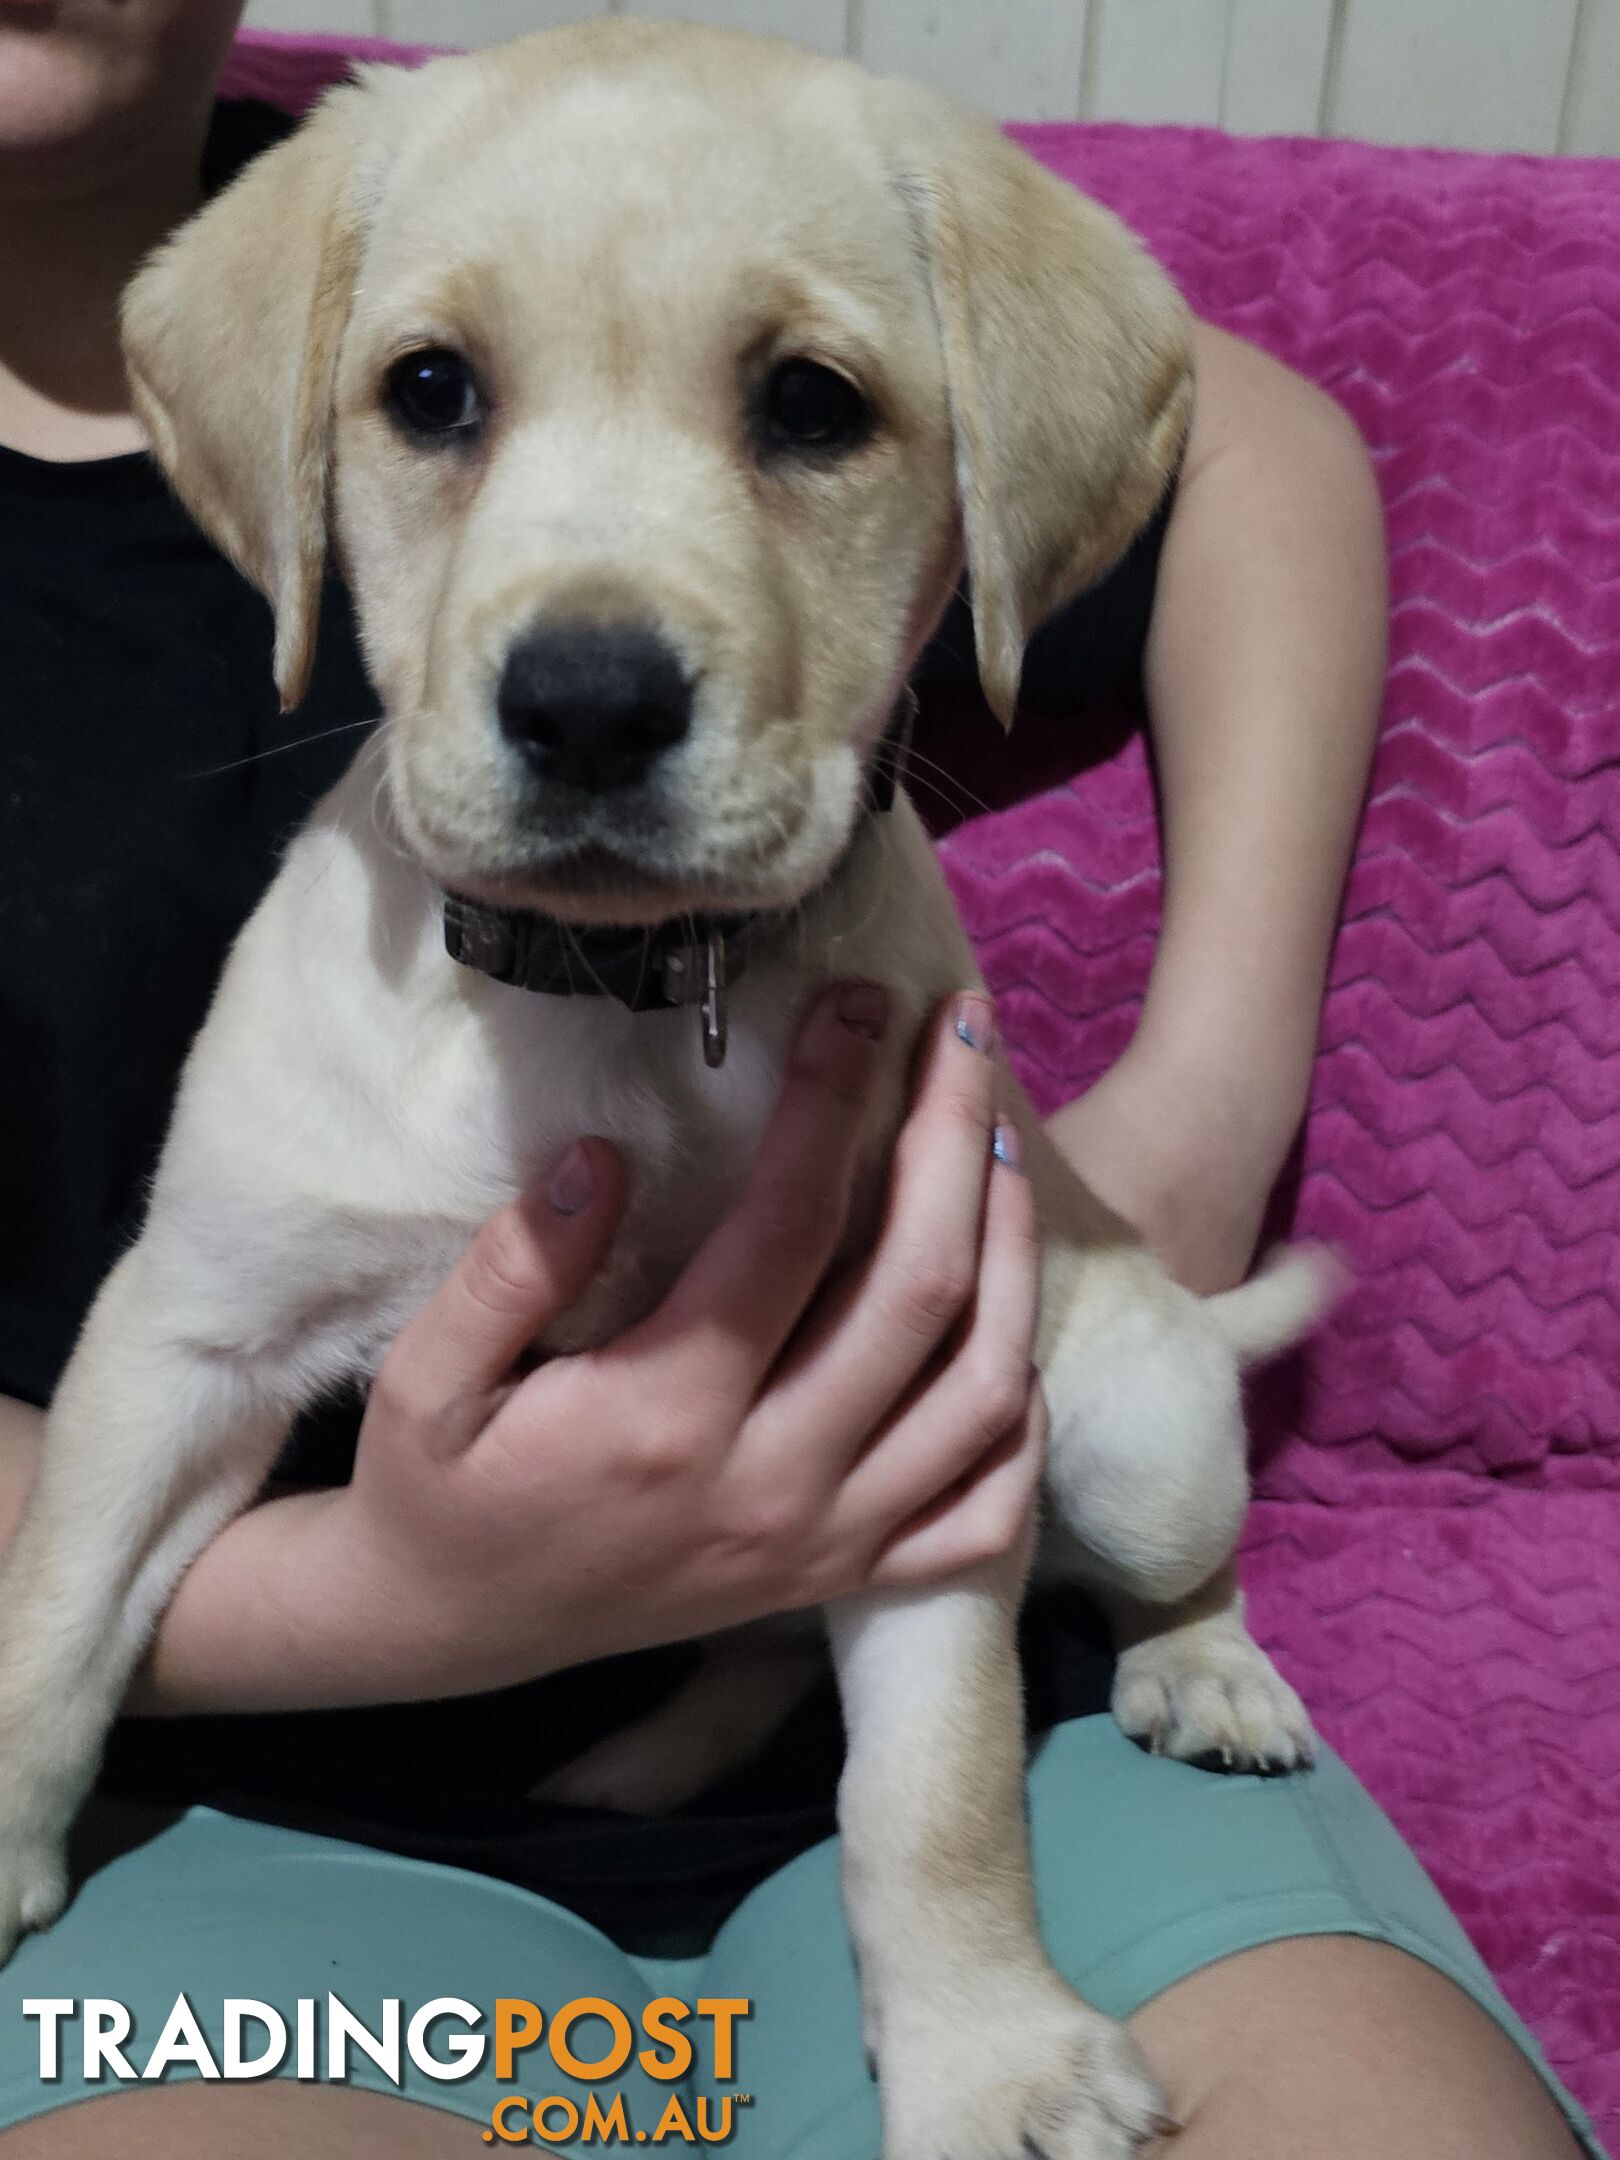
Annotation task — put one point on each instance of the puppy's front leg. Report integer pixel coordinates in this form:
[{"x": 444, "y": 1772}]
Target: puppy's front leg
[
  {"x": 150, "y": 1447},
  {"x": 982, "y": 2050}
]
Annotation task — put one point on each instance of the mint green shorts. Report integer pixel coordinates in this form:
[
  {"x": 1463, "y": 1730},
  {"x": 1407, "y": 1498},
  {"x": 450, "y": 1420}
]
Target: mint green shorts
[{"x": 1147, "y": 1870}]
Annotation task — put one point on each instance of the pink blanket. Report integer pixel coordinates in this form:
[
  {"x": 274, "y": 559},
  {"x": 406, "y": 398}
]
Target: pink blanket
[{"x": 1435, "y": 1554}]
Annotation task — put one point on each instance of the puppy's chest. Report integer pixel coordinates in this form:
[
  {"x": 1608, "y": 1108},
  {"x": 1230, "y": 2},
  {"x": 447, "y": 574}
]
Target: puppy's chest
[
  {"x": 688, "y": 1137},
  {"x": 322, "y": 1180}
]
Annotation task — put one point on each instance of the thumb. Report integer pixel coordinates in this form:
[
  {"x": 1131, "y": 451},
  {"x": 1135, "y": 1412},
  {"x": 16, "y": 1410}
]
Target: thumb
[{"x": 525, "y": 1267}]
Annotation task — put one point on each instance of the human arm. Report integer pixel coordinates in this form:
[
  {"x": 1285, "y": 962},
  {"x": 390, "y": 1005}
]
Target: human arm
[
  {"x": 1263, "y": 673},
  {"x": 765, "y": 1440}
]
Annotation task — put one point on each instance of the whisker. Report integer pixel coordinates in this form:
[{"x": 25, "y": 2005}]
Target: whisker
[
  {"x": 256, "y": 757},
  {"x": 389, "y": 839},
  {"x": 924, "y": 764},
  {"x": 577, "y": 952}
]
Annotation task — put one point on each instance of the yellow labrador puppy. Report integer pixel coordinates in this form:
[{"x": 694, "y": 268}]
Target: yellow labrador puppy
[{"x": 651, "y": 385}]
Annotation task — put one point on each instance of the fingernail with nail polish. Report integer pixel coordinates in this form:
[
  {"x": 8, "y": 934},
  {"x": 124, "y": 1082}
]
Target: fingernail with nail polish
[
  {"x": 570, "y": 1189},
  {"x": 976, "y": 1024},
  {"x": 863, "y": 1008},
  {"x": 1008, "y": 1147}
]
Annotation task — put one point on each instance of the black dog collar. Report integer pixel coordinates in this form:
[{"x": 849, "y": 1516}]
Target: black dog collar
[{"x": 689, "y": 960}]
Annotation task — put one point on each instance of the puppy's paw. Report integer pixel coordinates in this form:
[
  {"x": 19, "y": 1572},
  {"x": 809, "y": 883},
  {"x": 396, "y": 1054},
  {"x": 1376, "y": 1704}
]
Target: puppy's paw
[
  {"x": 1037, "y": 2076},
  {"x": 1208, "y": 1694},
  {"x": 33, "y": 1890}
]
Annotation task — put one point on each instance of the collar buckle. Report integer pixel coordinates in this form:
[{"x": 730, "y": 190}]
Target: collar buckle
[
  {"x": 714, "y": 1001},
  {"x": 699, "y": 974}
]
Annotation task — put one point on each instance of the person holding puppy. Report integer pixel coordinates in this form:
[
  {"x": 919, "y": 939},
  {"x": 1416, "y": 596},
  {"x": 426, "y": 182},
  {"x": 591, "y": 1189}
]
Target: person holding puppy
[{"x": 149, "y": 782}]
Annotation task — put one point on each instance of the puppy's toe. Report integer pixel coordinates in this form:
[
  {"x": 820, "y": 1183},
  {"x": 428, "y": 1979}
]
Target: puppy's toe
[
  {"x": 1037, "y": 2076},
  {"x": 1210, "y": 1696}
]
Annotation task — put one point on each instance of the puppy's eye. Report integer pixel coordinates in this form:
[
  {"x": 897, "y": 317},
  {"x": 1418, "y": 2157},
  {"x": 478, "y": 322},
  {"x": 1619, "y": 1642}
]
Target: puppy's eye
[
  {"x": 434, "y": 392},
  {"x": 805, "y": 406}
]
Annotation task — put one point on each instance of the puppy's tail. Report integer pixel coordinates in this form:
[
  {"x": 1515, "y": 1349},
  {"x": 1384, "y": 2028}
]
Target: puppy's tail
[{"x": 1273, "y": 1309}]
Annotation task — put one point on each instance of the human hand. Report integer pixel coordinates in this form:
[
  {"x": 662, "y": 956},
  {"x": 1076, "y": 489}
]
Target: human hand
[
  {"x": 1186, "y": 1155},
  {"x": 767, "y": 1439}
]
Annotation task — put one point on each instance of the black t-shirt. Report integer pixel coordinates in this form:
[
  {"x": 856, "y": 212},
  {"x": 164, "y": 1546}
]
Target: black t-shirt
[{"x": 147, "y": 783}]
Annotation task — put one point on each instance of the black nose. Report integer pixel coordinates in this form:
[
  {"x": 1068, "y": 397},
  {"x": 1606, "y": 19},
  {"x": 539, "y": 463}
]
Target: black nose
[{"x": 593, "y": 706}]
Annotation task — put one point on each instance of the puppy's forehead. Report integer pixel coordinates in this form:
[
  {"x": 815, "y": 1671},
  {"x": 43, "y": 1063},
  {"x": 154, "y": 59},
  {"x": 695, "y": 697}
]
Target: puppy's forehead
[{"x": 674, "y": 170}]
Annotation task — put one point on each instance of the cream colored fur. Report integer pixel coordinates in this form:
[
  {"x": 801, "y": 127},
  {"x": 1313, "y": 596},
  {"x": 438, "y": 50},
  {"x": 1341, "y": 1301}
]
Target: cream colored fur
[{"x": 622, "y": 226}]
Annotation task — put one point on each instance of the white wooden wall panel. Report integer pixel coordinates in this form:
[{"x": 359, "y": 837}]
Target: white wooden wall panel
[
  {"x": 1592, "y": 100},
  {"x": 1017, "y": 58},
  {"x": 1486, "y": 73},
  {"x": 1158, "y": 60},
  {"x": 476, "y": 22},
  {"x": 1276, "y": 62},
  {"x": 346, "y": 18},
  {"x": 821, "y": 24}
]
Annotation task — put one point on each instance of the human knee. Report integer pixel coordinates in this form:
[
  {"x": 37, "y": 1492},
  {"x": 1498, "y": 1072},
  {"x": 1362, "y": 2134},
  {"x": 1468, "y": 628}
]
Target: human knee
[
  {"x": 1343, "y": 2049},
  {"x": 264, "y": 2122}
]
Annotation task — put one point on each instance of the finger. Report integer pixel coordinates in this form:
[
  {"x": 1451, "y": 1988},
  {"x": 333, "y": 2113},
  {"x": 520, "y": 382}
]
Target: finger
[
  {"x": 745, "y": 1291},
  {"x": 976, "y": 1396},
  {"x": 523, "y": 1270},
  {"x": 876, "y": 1333},
  {"x": 986, "y": 1517}
]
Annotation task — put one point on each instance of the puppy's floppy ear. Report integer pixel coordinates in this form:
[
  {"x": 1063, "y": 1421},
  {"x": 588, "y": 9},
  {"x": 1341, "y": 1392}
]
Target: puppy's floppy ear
[
  {"x": 1068, "y": 361},
  {"x": 231, "y": 337}
]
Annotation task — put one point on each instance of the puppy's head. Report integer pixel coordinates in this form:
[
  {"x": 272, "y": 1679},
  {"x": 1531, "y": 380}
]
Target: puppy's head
[{"x": 650, "y": 385}]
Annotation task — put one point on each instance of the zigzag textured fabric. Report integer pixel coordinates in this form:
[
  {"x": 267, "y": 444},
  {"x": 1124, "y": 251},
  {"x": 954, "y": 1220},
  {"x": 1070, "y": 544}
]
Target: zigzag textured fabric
[{"x": 1435, "y": 1554}]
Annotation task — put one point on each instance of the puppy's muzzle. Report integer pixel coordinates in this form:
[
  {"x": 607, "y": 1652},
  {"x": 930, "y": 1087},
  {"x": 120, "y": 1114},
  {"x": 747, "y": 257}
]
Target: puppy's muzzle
[{"x": 593, "y": 708}]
